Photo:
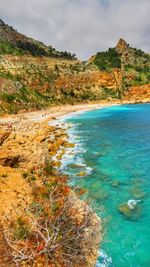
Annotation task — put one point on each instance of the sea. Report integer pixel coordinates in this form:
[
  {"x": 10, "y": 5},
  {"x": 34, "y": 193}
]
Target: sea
[{"x": 111, "y": 161}]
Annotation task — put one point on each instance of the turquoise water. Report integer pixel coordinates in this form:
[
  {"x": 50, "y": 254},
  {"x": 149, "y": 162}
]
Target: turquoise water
[{"x": 113, "y": 151}]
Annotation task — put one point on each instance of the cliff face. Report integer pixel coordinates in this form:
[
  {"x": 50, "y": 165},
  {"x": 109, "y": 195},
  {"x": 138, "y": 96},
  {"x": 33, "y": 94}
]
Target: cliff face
[
  {"x": 33, "y": 75},
  {"x": 138, "y": 94},
  {"x": 132, "y": 56},
  {"x": 37, "y": 81}
]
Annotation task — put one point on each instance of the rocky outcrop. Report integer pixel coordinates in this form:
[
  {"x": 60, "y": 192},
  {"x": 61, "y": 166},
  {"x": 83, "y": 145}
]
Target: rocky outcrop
[
  {"x": 25, "y": 148},
  {"x": 92, "y": 233},
  {"x": 121, "y": 46},
  {"x": 37, "y": 73},
  {"x": 34, "y": 75},
  {"x": 138, "y": 94}
]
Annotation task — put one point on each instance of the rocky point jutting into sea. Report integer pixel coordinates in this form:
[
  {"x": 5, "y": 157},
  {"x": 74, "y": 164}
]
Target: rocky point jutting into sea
[
  {"x": 32, "y": 190},
  {"x": 43, "y": 219}
]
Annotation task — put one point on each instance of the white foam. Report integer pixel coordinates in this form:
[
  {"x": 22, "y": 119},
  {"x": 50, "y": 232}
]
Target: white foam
[
  {"x": 74, "y": 155},
  {"x": 106, "y": 261},
  {"x": 132, "y": 203},
  {"x": 88, "y": 170}
]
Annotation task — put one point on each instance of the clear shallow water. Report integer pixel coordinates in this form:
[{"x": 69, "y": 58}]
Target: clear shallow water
[{"x": 113, "y": 149}]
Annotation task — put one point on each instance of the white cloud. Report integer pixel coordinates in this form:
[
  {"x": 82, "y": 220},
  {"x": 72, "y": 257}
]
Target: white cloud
[{"x": 81, "y": 26}]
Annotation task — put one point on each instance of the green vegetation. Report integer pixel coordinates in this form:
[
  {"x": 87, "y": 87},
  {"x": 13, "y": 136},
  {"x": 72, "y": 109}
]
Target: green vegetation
[
  {"x": 107, "y": 92},
  {"x": 14, "y": 43},
  {"x": 21, "y": 229},
  {"x": 49, "y": 226},
  {"x": 39, "y": 83},
  {"x": 24, "y": 98},
  {"x": 139, "y": 75},
  {"x": 8, "y": 48},
  {"x": 107, "y": 60},
  {"x": 33, "y": 48},
  {"x": 140, "y": 53}
]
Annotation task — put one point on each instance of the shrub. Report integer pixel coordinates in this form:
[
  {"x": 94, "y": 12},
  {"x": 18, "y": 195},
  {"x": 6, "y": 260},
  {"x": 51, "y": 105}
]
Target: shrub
[
  {"x": 8, "y": 48},
  {"x": 107, "y": 60},
  {"x": 49, "y": 231},
  {"x": 21, "y": 229}
]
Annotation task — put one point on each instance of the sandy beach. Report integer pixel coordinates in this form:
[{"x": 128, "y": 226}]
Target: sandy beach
[
  {"x": 27, "y": 142},
  {"x": 52, "y": 113}
]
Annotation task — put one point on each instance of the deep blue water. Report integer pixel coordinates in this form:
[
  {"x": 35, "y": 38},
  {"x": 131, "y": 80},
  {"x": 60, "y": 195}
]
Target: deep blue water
[{"x": 113, "y": 151}]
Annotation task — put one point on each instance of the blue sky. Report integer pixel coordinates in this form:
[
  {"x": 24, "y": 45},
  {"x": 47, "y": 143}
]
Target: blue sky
[{"x": 81, "y": 26}]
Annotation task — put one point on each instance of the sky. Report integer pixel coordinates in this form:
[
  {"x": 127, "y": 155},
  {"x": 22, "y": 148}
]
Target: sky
[{"x": 83, "y": 27}]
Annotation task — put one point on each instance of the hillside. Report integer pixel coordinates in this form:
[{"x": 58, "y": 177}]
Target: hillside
[
  {"x": 134, "y": 62},
  {"x": 121, "y": 53},
  {"x": 43, "y": 221},
  {"x": 12, "y": 42},
  {"x": 33, "y": 75}
]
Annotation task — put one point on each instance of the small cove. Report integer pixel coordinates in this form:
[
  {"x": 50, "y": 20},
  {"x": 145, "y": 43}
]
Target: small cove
[{"x": 111, "y": 160}]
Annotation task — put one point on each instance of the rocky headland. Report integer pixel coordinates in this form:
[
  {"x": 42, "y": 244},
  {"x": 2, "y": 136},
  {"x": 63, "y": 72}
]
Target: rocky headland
[
  {"x": 32, "y": 188},
  {"x": 43, "y": 222}
]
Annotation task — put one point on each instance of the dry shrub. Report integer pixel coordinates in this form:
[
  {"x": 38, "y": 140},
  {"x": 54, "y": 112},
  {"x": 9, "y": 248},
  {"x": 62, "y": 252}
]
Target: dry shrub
[{"x": 52, "y": 231}]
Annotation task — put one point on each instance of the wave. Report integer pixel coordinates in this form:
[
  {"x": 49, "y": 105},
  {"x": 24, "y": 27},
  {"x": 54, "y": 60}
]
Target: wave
[
  {"x": 104, "y": 261},
  {"x": 74, "y": 155}
]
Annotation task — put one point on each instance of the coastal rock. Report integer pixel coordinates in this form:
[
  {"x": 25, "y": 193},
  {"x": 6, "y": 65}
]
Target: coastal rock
[
  {"x": 13, "y": 191},
  {"x": 131, "y": 210},
  {"x": 92, "y": 234},
  {"x": 133, "y": 96},
  {"x": 75, "y": 166},
  {"x": 100, "y": 195},
  {"x": 25, "y": 151},
  {"x": 10, "y": 159},
  {"x": 137, "y": 192},
  {"x": 81, "y": 174},
  {"x": 115, "y": 183}
]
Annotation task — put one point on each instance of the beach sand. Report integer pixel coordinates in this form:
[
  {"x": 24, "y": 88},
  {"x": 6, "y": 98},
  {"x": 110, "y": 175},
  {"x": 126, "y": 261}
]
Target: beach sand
[{"x": 52, "y": 113}]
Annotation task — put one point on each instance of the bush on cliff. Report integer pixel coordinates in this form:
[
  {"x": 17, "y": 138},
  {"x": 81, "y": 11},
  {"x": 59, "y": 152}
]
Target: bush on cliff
[
  {"x": 50, "y": 231},
  {"x": 107, "y": 60},
  {"x": 8, "y": 48}
]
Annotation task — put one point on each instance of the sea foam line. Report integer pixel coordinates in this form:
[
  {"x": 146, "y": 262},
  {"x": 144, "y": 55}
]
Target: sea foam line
[{"x": 74, "y": 155}]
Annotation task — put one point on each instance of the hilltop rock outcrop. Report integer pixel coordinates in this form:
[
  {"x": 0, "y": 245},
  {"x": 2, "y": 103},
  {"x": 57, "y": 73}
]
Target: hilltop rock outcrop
[
  {"x": 121, "y": 46},
  {"x": 33, "y": 76}
]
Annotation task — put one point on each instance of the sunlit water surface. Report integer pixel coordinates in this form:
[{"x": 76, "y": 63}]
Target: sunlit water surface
[{"x": 112, "y": 161}]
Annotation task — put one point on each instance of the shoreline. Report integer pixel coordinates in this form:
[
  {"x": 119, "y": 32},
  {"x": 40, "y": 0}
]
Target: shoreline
[
  {"x": 60, "y": 111},
  {"x": 24, "y": 147},
  {"x": 54, "y": 113},
  {"x": 27, "y": 141}
]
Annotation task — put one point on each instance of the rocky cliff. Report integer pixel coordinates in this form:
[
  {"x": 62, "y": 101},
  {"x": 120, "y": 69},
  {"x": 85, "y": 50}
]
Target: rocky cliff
[
  {"x": 43, "y": 222},
  {"x": 33, "y": 79}
]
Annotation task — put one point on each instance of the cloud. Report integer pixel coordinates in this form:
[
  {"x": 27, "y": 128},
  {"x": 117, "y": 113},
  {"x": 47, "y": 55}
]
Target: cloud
[{"x": 81, "y": 26}]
